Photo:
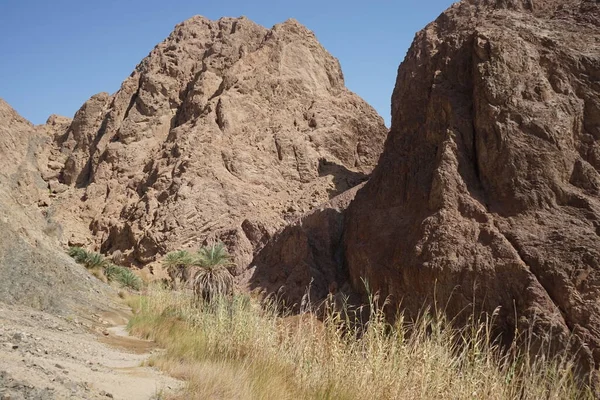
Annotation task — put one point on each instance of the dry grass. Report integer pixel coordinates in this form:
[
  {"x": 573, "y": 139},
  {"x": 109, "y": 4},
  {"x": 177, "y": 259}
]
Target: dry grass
[{"x": 238, "y": 350}]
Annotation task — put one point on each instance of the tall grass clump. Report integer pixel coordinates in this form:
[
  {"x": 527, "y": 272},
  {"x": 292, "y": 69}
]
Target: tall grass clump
[{"x": 234, "y": 347}]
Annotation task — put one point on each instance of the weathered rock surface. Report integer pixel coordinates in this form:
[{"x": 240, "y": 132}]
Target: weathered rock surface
[
  {"x": 488, "y": 188},
  {"x": 305, "y": 258},
  {"x": 226, "y": 130},
  {"x": 34, "y": 270}
]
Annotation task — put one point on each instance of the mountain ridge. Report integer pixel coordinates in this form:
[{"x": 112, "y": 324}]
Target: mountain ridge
[{"x": 257, "y": 119}]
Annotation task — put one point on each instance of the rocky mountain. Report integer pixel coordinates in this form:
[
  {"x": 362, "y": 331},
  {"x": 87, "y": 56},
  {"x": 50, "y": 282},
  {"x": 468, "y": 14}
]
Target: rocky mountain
[
  {"x": 226, "y": 130},
  {"x": 488, "y": 188},
  {"x": 484, "y": 201},
  {"x": 487, "y": 194}
]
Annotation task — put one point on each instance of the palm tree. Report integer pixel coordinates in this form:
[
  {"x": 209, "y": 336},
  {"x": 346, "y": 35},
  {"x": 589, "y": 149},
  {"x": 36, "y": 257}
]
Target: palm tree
[
  {"x": 178, "y": 265},
  {"x": 213, "y": 279}
]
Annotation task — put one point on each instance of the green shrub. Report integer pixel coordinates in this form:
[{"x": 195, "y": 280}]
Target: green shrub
[
  {"x": 122, "y": 275},
  {"x": 94, "y": 260},
  {"x": 178, "y": 265},
  {"x": 89, "y": 259},
  {"x": 112, "y": 272},
  {"x": 129, "y": 279},
  {"x": 78, "y": 254},
  {"x": 179, "y": 257}
]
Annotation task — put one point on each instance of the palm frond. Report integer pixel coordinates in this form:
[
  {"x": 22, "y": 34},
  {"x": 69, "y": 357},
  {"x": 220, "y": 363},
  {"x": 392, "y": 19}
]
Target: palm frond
[
  {"x": 213, "y": 279},
  {"x": 122, "y": 275},
  {"x": 179, "y": 257},
  {"x": 129, "y": 279},
  {"x": 111, "y": 271},
  {"x": 94, "y": 260},
  {"x": 177, "y": 264},
  {"x": 213, "y": 255}
]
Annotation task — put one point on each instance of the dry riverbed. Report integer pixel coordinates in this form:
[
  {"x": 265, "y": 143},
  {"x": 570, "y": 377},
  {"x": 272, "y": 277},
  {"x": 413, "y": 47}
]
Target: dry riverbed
[{"x": 43, "y": 356}]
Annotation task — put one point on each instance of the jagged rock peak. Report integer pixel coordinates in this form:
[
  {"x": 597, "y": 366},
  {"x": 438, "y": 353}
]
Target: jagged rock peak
[
  {"x": 223, "y": 119},
  {"x": 9, "y": 115},
  {"x": 540, "y": 8},
  {"x": 55, "y": 119},
  {"x": 293, "y": 27}
]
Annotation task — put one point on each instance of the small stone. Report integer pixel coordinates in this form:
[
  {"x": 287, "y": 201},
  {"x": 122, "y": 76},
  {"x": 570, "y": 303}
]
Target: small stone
[{"x": 59, "y": 366}]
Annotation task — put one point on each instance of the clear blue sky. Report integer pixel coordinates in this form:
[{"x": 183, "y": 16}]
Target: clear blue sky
[{"x": 55, "y": 54}]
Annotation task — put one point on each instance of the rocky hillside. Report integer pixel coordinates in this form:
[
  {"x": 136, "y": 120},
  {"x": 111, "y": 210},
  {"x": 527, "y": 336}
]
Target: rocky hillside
[
  {"x": 488, "y": 189},
  {"x": 305, "y": 257},
  {"x": 487, "y": 195},
  {"x": 226, "y": 130},
  {"x": 34, "y": 270}
]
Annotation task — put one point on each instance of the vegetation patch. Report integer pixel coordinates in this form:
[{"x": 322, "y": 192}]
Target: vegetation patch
[
  {"x": 212, "y": 277},
  {"x": 236, "y": 347},
  {"x": 100, "y": 266}
]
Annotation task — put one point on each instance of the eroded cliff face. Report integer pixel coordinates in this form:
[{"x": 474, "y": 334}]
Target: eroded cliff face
[
  {"x": 226, "y": 130},
  {"x": 34, "y": 269},
  {"x": 487, "y": 192}
]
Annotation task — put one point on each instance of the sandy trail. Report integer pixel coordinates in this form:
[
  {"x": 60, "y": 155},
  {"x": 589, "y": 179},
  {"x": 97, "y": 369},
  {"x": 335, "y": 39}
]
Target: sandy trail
[{"x": 43, "y": 356}]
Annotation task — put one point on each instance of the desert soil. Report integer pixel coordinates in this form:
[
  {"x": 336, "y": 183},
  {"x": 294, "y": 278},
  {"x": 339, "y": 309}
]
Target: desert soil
[{"x": 43, "y": 356}]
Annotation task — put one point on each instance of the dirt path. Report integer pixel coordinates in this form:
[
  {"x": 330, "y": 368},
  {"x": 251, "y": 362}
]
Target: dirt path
[{"x": 47, "y": 357}]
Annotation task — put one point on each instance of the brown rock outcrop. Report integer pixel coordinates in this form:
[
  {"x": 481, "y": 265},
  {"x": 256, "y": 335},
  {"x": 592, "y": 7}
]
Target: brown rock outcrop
[
  {"x": 226, "y": 130},
  {"x": 486, "y": 195}
]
